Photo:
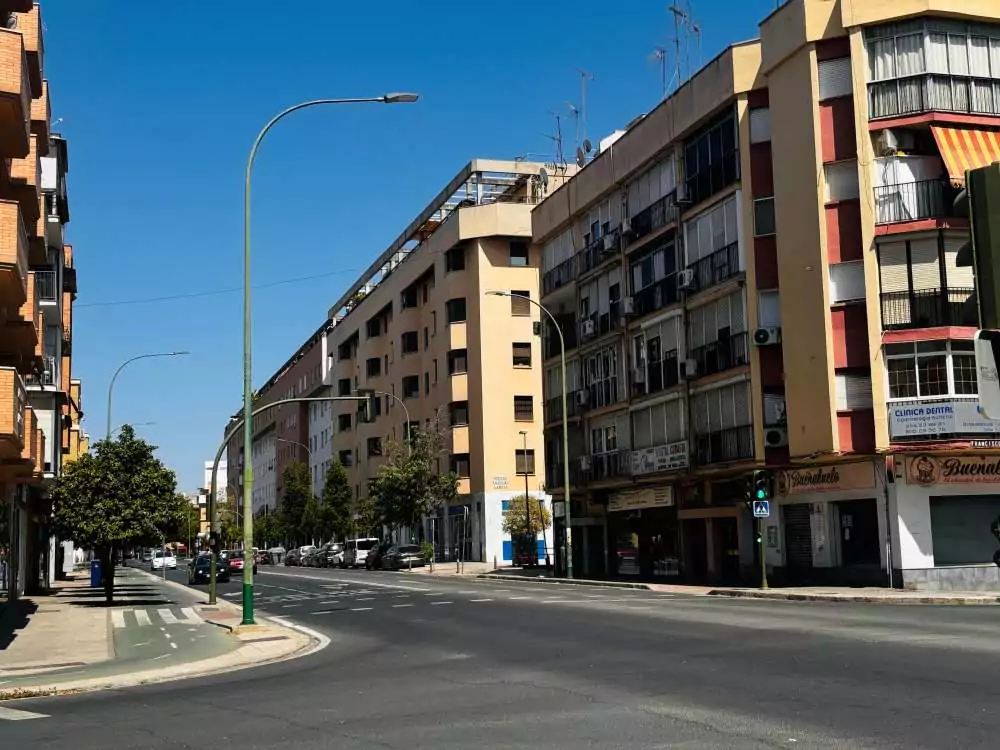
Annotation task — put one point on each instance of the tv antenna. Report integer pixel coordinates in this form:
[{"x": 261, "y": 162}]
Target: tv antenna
[
  {"x": 684, "y": 28},
  {"x": 585, "y": 78},
  {"x": 557, "y": 139},
  {"x": 660, "y": 56}
]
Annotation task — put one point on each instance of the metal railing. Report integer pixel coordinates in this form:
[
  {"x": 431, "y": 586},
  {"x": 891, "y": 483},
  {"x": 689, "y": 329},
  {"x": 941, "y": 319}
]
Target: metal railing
[
  {"x": 599, "y": 250},
  {"x": 717, "y": 267},
  {"x": 911, "y": 201},
  {"x": 733, "y": 444},
  {"x": 611, "y": 465},
  {"x": 659, "y": 375},
  {"x": 562, "y": 274},
  {"x": 655, "y": 216},
  {"x": 555, "y": 476},
  {"x": 553, "y": 407},
  {"x": 931, "y": 93},
  {"x": 570, "y": 331},
  {"x": 722, "y": 355},
  {"x": 45, "y": 286},
  {"x": 927, "y": 308},
  {"x": 657, "y": 296}
]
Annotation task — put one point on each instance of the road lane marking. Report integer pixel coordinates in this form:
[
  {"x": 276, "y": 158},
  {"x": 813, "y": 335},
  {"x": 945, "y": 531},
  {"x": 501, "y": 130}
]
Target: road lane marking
[
  {"x": 401, "y": 596},
  {"x": 142, "y": 617},
  {"x": 361, "y": 609},
  {"x": 173, "y": 645},
  {"x": 436, "y": 603},
  {"x": 519, "y": 598},
  {"x": 355, "y": 582},
  {"x": 322, "y": 612},
  {"x": 192, "y": 617},
  {"x": 398, "y": 606},
  {"x": 167, "y": 616},
  {"x": 289, "y": 606},
  {"x": 161, "y": 656},
  {"x": 118, "y": 618},
  {"x": 13, "y": 714},
  {"x": 327, "y": 604},
  {"x": 366, "y": 599},
  {"x": 480, "y": 600},
  {"x": 553, "y": 601}
]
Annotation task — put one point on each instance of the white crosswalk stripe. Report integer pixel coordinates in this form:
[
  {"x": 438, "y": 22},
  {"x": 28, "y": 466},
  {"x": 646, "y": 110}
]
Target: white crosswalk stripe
[
  {"x": 14, "y": 714},
  {"x": 118, "y": 618},
  {"x": 193, "y": 617},
  {"x": 142, "y": 617},
  {"x": 167, "y": 616}
]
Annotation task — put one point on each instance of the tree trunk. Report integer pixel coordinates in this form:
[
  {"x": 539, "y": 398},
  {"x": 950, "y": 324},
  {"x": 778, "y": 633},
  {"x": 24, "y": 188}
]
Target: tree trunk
[{"x": 107, "y": 557}]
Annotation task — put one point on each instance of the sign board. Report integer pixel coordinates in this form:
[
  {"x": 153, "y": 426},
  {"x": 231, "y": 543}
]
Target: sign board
[
  {"x": 761, "y": 508},
  {"x": 499, "y": 483},
  {"x": 987, "y": 347},
  {"x": 923, "y": 419},
  {"x": 927, "y": 470},
  {"x": 661, "y": 497},
  {"x": 838, "y": 478},
  {"x": 559, "y": 509},
  {"x": 668, "y": 457}
]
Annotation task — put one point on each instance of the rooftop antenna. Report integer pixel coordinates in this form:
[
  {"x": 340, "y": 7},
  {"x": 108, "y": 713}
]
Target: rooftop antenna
[
  {"x": 660, "y": 55},
  {"x": 680, "y": 19},
  {"x": 585, "y": 77},
  {"x": 576, "y": 122},
  {"x": 560, "y": 162}
]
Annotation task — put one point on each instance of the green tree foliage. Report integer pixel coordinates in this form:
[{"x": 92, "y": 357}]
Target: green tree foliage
[
  {"x": 188, "y": 521},
  {"x": 518, "y": 516},
  {"x": 338, "y": 503},
  {"x": 309, "y": 525},
  {"x": 230, "y": 521},
  {"x": 297, "y": 490},
  {"x": 408, "y": 486},
  {"x": 368, "y": 517},
  {"x": 267, "y": 530},
  {"x": 116, "y": 496}
]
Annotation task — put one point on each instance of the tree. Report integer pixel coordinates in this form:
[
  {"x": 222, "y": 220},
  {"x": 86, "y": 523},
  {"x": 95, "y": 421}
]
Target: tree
[
  {"x": 188, "y": 521},
  {"x": 309, "y": 524},
  {"x": 297, "y": 490},
  {"x": 524, "y": 519},
  {"x": 117, "y": 495},
  {"x": 368, "y": 517},
  {"x": 407, "y": 487},
  {"x": 338, "y": 503},
  {"x": 230, "y": 527}
]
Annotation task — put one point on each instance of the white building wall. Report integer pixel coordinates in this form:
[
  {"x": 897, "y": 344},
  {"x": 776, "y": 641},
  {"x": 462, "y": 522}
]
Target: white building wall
[
  {"x": 320, "y": 441},
  {"x": 221, "y": 479},
  {"x": 264, "y": 463}
]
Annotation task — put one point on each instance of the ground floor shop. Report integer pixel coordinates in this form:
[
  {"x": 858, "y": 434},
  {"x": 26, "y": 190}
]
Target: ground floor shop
[{"x": 27, "y": 551}]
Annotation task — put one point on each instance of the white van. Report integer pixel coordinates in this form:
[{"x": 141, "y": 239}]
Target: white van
[{"x": 356, "y": 551}]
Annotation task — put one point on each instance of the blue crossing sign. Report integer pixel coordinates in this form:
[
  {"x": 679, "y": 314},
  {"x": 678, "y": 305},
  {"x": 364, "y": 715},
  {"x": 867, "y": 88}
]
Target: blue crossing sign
[{"x": 761, "y": 508}]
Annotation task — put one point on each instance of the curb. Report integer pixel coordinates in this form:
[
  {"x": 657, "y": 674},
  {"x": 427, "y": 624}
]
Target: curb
[
  {"x": 566, "y": 582},
  {"x": 859, "y": 599}
]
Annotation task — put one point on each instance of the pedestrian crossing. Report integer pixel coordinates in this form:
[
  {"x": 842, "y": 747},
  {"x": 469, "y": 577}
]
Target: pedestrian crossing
[{"x": 154, "y": 616}]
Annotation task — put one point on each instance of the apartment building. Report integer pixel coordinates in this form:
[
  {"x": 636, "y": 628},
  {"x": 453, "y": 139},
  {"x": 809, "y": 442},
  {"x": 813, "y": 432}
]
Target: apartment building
[
  {"x": 763, "y": 272},
  {"x": 37, "y": 291},
  {"x": 79, "y": 440},
  {"x": 419, "y": 329}
]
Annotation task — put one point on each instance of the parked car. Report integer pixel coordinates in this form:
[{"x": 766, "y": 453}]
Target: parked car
[
  {"x": 334, "y": 555},
  {"x": 356, "y": 551},
  {"x": 161, "y": 558},
  {"x": 373, "y": 561},
  {"x": 403, "y": 557},
  {"x": 276, "y": 554},
  {"x": 304, "y": 552},
  {"x": 293, "y": 557},
  {"x": 199, "y": 569},
  {"x": 237, "y": 561}
]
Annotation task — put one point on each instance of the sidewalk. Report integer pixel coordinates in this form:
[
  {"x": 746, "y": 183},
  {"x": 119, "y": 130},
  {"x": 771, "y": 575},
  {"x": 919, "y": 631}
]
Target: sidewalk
[{"x": 71, "y": 641}]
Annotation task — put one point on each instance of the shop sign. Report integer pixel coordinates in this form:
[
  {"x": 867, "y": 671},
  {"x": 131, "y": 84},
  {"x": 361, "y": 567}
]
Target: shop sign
[
  {"x": 843, "y": 477},
  {"x": 925, "y": 419},
  {"x": 660, "y": 497},
  {"x": 928, "y": 470},
  {"x": 669, "y": 457}
]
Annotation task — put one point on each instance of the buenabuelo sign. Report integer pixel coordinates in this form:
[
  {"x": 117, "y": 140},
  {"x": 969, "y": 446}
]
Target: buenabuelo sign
[
  {"x": 953, "y": 470},
  {"x": 856, "y": 476}
]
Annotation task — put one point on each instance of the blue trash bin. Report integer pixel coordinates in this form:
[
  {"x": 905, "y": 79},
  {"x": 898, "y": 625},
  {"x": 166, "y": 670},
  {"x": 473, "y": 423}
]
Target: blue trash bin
[{"x": 95, "y": 574}]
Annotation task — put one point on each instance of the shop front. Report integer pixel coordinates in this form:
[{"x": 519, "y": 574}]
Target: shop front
[
  {"x": 944, "y": 506},
  {"x": 643, "y": 534}
]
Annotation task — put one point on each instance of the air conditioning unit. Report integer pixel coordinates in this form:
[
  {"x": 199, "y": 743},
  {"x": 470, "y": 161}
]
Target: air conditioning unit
[
  {"x": 685, "y": 280},
  {"x": 893, "y": 141},
  {"x": 626, "y": 225},
  {"x": 639, "y": 375},
  {"x": 581, "y": 398},
  {"x": 585, "y": 462},
  {"x": 767, "y": 336},
  {"x": 775, "y": 437},
  {"x": 609, "y": 243},
  {"x": 628, "y": 306},
  {"x": 588, "y": 327},
  {"x": 689, "y": 369},
  {"x": 536, "y": 327},
  {"x": 682, "y": 198}
]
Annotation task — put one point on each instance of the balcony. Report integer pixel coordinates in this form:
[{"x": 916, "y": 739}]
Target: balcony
[
  {"x": 45, "y": 284},
  {"x": 562, "y": 274},
  {"x": 928, "y": 308},
  {"x": 600, "y": 250},
  {"x": 30, "y": 26},
  {"x": 653, "y": 217},
  {"x": 656, "y": 296},
  {"x": 20, "y": 336},
  {"x": 555, "y": 475},
  {"x": 15, "y": 96},
  {"x": 657, "y": 376},
  {"x": 723, "y": 446},
  {"x": 554, "y": 410},
  {"x": 41, "y": 119},
  {"x": 724, "y": 354},
  {"x": 25, "y": 184},
  {"x": 47, "y": 375},
  {"x": 600, "y": 467},
  {"x": 913, "y": 201},
  {"x": 931, "y": 93},
  {"x": 13, "y": 401},
  {"x": 13, "y": 257},
  {"x": 720, "y": 266}
]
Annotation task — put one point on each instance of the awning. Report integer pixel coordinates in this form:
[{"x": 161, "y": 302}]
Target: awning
[{"x": 963, "y": 149}]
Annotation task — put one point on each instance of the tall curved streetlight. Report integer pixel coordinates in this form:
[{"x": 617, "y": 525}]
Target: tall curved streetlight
[
  {"x": 122, "y": 366},
  {"x": 395, "y": 98},
  {"x": 132, "y": 424},
  {"x": 568, "y": 549}
]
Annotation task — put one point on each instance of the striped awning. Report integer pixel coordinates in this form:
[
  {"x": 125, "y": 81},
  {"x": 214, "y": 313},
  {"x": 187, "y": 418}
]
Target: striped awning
[{"x": 964, "y": 149}]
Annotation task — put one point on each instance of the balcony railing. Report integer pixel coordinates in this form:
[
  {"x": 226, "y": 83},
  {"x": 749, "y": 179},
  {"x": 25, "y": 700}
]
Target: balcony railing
[
  {"x": 911, "y": 201},
  {"x": 733, "y": 444},
  {"x": 928, "y": 308},
  {"x": 599, "y": 250},
  {"x": 599, "y": 324},
  {"x": 47, "y": 376},
  {"x": 932, "y": 93},
  {"x": 655, "y": 216},
  {"x": 657, "y": 376},
  {"x": 569, "y": 327},
  {"x": 562, "y": 274},
  {"x": 722, "y": 355},
  {"x": 657, "y": 296},
  {"x": 554, "y": 411},
  {"x": 611, "y": 465},
  {"x": 45, "y": 286},
  {"x": 720, "y": 266},
  {"x": 555, "y": 475}
]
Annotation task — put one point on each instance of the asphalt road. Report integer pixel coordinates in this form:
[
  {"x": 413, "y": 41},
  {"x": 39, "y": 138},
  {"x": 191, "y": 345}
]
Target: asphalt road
[{"x": 419, "y": 662}]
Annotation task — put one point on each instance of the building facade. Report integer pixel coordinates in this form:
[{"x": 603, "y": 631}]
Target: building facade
[
  {"x": 38, "y": 290},
  {"x": 763, "y": 272}
]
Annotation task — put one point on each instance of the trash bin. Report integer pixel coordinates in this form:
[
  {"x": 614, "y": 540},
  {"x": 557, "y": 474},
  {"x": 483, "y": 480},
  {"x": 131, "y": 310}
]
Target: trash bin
[{"x": 95, "y": 574}]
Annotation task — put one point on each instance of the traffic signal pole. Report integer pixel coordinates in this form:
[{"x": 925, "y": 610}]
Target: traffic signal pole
[{"x": 763, "y": 561}]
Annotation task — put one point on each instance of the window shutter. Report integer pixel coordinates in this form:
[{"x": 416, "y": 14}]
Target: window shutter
[
  {"x": 925, "y": 263},
  {"x": 727, "y": 407},
  {"x": 842, "y": 180},
  {"x": 892, "y": 267},
  {"x": 741, "y": 403},
  {"x": 760, "y": 125},
  {"x": 958, "y": 278},
  {"x": 835, "y": 78},
  {"x": 657, "y": 418},
  {"x": 769, "y": 309},
  {"x": 853, "y": 392},
  {"x": 847, "y": 281},
  {"x": 737, "y": 320}
]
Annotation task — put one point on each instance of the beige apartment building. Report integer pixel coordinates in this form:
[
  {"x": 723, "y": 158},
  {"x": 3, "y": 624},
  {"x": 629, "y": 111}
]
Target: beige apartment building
[
  {"x": 419, "y": 329},
  {"x": 37, "y": 290},
  {"x": 763, "y": 272}
]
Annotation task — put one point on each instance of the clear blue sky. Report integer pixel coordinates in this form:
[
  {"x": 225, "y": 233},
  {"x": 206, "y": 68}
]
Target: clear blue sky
[{"x": 161, "y": 102}]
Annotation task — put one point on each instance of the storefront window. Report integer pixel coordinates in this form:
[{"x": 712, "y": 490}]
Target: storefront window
[
  {"x": 960, "y": 528},
  {"x": 627, "y": 551}
]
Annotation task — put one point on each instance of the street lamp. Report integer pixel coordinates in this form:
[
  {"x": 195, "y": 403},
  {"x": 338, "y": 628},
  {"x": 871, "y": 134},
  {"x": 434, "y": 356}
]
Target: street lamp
[
  {"x": 392, "y": 98},
  {"x": 111, "y": 385},
  {"x": 406, "y": 416},
  {"x": 568, "y": 548},
  {"x": 132, "y": 424}
]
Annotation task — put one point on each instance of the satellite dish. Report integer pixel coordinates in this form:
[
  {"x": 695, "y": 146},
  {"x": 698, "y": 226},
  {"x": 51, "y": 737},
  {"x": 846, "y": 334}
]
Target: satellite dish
[
  {"x": 543, "y": 177},
  {"x": 581, "y": 158},
  {"x": 587, "y": 147}
]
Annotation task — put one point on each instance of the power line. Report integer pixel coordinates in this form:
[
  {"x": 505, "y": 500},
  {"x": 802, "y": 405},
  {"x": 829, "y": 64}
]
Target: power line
[{"x": 213, "y": 292}]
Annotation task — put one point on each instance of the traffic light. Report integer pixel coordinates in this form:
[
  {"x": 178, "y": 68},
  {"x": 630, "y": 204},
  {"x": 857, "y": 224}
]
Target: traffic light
[
  {"x": 762, "y": 485},
  {"x": 979, "y": 202},
  {"x": 366, "y": 412}
]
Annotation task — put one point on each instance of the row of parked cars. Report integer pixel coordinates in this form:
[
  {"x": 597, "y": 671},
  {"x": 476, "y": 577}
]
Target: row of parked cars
[
  {"x": 199, "y": 568},
  {"x": 366, "y": 553}
]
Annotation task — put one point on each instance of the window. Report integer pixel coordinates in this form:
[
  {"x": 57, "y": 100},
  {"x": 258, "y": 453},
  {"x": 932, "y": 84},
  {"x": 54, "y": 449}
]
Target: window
[
  {"x": 519, "y": 306},
  {"x": 435, "y": 370},
  {"x": 722, "y": 408},
  {"x": 524, "y": 409},
  {"x": 834, "y": 78},
  {"x": 847, "y": 281},
  {"x": 458, "y": 413},
  {"x": 455, "y": 310},
  {"x": 344, "y": 423},
  {"x": 524, "y": 462},
  {"x": 411, "y": 386},
  {"x": 712, "y": 230},
  {"x": 519, "y": 254},
  {"x": 374, "y": 446},
  {"x": 760, "y": 125},
  {"x": 373, "y": 328},
  {"x": 344, "y": 351},
  {"x": 460, "y": 464},
  {"x": 931, "y": 369},
  {"x": 385, "y": 363},
  {"x": 377, "y": 407},
  {"x": 427, "y": 338},
  {"x": 427, "y": 383},
  {"x": 409, "y": 342},
  {"x": 344, "y": 387},
  {"x": 763, "y": 217},
  {"x": 522, "y": 354},
  {"x": 458, "y": 361},
  {"x": 769, "y": 308},
  {"x": 454, "y": 259},
  {"x": 853, "y": 390},
  {"x": 711, "y": 158},
  {"x": 373, "y": 367},
  {"x": 408, "y": 298},
  {"x": 410, "y": 430},
  {"x": 434, "y": 322},
  {"x": 601, "y": 378},
  {"x": 841, "y": 181}
]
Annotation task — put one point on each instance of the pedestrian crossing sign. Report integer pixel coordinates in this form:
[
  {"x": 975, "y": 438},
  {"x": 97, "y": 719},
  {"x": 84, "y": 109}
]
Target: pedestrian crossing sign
[{"x": 761, "y": 508}]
